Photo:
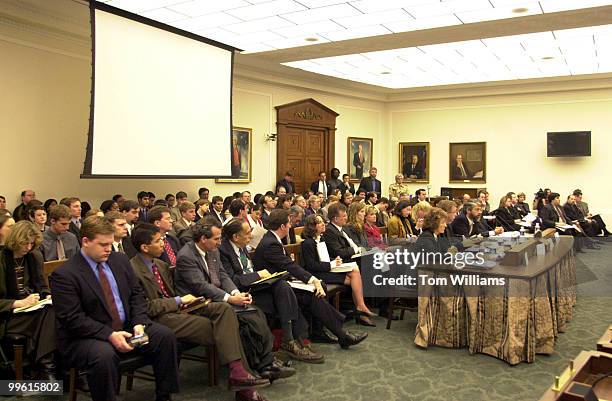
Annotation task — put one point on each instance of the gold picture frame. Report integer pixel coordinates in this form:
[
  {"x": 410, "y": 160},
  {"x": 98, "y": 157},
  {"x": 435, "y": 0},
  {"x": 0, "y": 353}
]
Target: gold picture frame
[
  {"x": 474, "y": 160},
  {"x": 242, "y": 141},
  {"x": 420, "y": 171},
  {"x": 356, "y": 168}
]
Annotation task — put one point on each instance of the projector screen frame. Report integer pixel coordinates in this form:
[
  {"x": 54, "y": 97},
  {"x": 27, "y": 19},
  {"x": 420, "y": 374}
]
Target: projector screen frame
[{"x": 87, "y": 165}]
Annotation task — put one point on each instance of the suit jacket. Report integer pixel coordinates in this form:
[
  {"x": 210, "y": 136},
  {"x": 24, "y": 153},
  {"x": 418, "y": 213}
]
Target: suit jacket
[
  {"x": 358, "y": 164},
  {"x": 79, "y": 303},
  {"x": 143, "y": 214},
  {"x": 180, "y": 226},
  {"x": 359, "y": 238},
  {"x": 175, "y": 244},
  {"x": 457, "y": 172},
  {"x": 427, "y": 242},
  {"x": 233, "y": 267},
  {"x": 285, "y": 184},
  {"x": 75, "y": 230},
  {"x": 461, "y": 226},
  {"x": 417, "y": 171},
  {"x": 572, "y": 212},
  {"x": 505, "y": 219},
  {"x": 396, "y": 230},
  {"x": 157, "y": 304},
  {"x": 310, "y": 257},
  {"x": 344, "y": 187},
  {"x": 549, "y": 216},
  {"x": 33, "y": 278},
  {"x": 191, "y": 277},
  {"x": 270, "y": 255},
  {"x": 314, "y": 187},
  {"x": 337, "y": 244},
  {"x": 213, "y": 213},
  {"x": 366, "y": 184}
]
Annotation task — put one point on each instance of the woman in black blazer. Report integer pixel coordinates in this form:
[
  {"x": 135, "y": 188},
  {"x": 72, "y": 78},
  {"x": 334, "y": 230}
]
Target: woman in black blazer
[
  {"x": 354, "y": 228},
  {"x": 434, "y": 226},
  {"x": 504, "y": 217},
  {"x": 310, "y": 260}
]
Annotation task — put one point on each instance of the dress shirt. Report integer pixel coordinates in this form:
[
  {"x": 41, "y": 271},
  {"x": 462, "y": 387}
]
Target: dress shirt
[
  {"x": 351, "y": 242},
  {"x": 203, "y": 255},
  {"x": 149, "y": 264},
  {"x": 111, "y": 280},
  {"x": 249, "y": 266},
  {"x": 69, "y": 242},
  {"x": 323, "y": 188},
  {"x": 280, "y": 241}
]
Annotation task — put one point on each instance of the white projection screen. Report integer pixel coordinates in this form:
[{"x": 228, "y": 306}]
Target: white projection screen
[{"x": 161, "y": 100}]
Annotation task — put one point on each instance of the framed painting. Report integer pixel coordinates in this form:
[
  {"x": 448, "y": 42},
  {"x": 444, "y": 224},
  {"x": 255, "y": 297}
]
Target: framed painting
[
  {"x": 359, "y": 157},
  {"x": 468, "y": 162},
  {"x": 241, "y": 156},
  {"x": 414, "y": 161}
]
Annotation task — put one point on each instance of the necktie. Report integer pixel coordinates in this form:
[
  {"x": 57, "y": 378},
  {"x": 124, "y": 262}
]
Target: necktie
[
  {"x": 244, "y": 261},
  {"x": 560, "y": 213},
  {"x": 116, "y": 324},
  {"x": 61, "y": 253},
  {"x": 212, "y": 272},
  {"x": 160, "y": 282},
  {"x": 373, "y": 185},
  {"x": 463, "y": 173},
  {"x": 170, "y": 252},
  {"x": 78, "y": 223},
  {"x": 120, "y": 247}
]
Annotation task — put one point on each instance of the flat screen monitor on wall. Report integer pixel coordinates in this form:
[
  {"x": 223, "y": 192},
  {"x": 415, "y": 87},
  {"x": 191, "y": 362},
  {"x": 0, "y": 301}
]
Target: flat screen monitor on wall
[
  {"x": 161, "y": 101},
  {"x": 568, "y": 144}
]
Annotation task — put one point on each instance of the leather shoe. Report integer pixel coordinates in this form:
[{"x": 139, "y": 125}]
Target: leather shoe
[
  {"x": 365, "y": 321},
  {"x": 324, "y": 336},
  {"x": 297, "y": 351},
  {"x": 256, "y": 397},
  {"x": 351, "y": 339},
  {"x": 278, "y": 370},
  {"x": 246, "y": 383}
]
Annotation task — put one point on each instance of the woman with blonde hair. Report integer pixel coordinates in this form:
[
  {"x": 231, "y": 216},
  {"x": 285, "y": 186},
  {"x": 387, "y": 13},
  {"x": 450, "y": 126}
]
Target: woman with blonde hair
[
  {"x": 310, "y": 259},
  {"x": 371, "y": 229},
  {"x": 22, "y": 285},
  {"x": 356, "y": 221},
  {"x": 434, "y": 225},
  {"x": 418, "y": 215},
  {"x": 6, "y": 224}
]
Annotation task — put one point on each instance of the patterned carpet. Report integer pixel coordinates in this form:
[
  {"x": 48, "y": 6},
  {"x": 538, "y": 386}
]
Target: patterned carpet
[{"x": 387, "y": 366}]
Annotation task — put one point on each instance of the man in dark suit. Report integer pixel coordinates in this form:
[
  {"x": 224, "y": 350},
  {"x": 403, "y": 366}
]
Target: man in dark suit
[
  {"x": 271, "y": 255},
  {"x": 122, "y": 242},
  {"x": 144, "y": 204},
  {"x": 213, "y": 324},
  {"x": 74, "y": 204},
  {"x": 553, "y": 216},
  {"x": 337, "y": 241},
  {"x": 19, "y": 212},
  {"x": 99, "y": 305},
  {"x": 276, "y": 300},
  {"x": 321, "y": 185},
  {"x": 574, "y": 214},
  {"x": 296, "y": 215},
  {"x": 413, "y": 169},
  {"x": 370, "y": 183},
  {"x": 269, "y": 204},
  {"x": 160, "y": 217},
  {"x": 346, "y": 184},
  {"x": 217, "y": 209},
  {"x": 460, "y": 170},
  {"x": 469, "y": 223},
  {"x": 359, "y": 160},
  {"x": 199, "y": 271},
  {"x": 286, "y": 182}
]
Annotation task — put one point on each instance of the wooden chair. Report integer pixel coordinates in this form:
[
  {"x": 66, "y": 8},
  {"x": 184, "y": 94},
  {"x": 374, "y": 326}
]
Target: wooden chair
[
  {"x": 384, "y": 234},
  {"x": 298, "y": 230},
  {"x": 49, "y": 267},
  {"x": 294, "y": 251}
]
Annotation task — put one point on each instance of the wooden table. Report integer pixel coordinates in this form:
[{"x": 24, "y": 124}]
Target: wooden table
[{"x": 513, "y": 322}]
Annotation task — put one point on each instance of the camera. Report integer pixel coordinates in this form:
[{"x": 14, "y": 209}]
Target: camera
[
  {"x": 138, "y": 341},
  {"x": 541, "y": 194}
]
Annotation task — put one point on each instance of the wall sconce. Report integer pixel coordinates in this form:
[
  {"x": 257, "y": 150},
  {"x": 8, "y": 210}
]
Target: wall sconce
[{"x": 271, "y": 137}]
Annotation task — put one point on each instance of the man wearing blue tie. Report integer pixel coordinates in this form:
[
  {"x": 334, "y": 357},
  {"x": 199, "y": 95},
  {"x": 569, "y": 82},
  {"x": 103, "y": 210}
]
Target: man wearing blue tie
[{"x": 371, "y": 184}]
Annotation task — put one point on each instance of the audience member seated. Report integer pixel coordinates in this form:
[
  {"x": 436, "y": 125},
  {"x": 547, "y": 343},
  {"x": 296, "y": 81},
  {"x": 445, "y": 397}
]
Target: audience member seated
[
  {"x": 338, "y": 242},
  {"x": 504, "y": 216},
  {"x": 129, "y": 209},
  {"x": 215, "y": 324},
  {"x": 483, "y": 197},
  {"x": 2, "y": 202},
  {"x": 468, "y": 223},
  {"x": 202, "y": 209},
  {"x": 187, "y": 210},
  {"x": 399, "y": 229},
  {"x": 312, "y": 253},
  {"x": 417, "y": 215},
  {"x": 180, "y": 197},
  {"x": 6, "y": 224},
  {"x": 296, "y": 215},
  {"x": 276, "y": 300},
  {"x": 22, "y": 285},
  {"x": 372, "y": 231},
  {"x": 238, "y": 210},
  {"x": 354, "y": 227},
  {"x": 271, "y": 255},
  {"x": 283, "y": 202},
  {"x": 552, "y": 216},
  {"x": 20, "y": 211},
  {"x": 143, "y": 205},
  {"x": 199, "y": 272},
  {"x": 574, "y": 214},
  {"x": 58, "y": 243},
  {"x": 347, "y": 198},
  {"x": 203, "y": 193},
  {"x": 314, "y": 205},
  {"x": 217, "y": 209},
  {"x": 382, "y": 214},
  {"x": 432, "y": 238},
  {"x": 99, "y": 305},
  {"x": 450, "y": 208},
  {"x": 514, "y": 210},
  {"x": 269, "y": 204},
  {"x": 38, "y": 216},
  {"x": 109, "y": 206},
  {"x": 398, "y": 187},
  {"x": 522, "y": 205},
  {"x": 122, "y": 242},
  {"x": 160, "y": 217},
  {"x": 346, "y": 185},
  {"x": 370, "y": 183},
  {"x": 584, "y": 208},
  {"x": 371, "y": 199}
]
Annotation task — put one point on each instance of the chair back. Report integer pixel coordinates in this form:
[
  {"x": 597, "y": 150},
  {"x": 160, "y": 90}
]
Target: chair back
[
  {"x": 49, "y": 267},
  {"x": 294, "y": 251}
]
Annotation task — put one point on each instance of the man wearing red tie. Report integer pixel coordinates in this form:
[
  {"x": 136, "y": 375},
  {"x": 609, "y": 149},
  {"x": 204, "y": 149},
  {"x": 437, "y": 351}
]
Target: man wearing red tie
[
  {"x": 235, "y": 158},
  {"x": 160, "y": 217}
]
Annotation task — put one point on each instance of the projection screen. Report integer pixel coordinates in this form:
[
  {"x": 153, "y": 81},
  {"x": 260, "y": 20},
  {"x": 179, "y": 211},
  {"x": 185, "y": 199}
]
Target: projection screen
[{"x": 161, "y": 100}]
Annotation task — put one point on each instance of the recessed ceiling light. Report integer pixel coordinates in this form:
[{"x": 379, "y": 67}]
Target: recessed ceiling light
[
  {"x": 311, "y": 39},
  {"x": 520, "y": 10},
  {"x": 547, "y": 58}
]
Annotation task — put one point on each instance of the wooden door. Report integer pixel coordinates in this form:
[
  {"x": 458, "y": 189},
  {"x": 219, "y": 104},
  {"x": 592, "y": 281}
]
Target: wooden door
[{"x": 305, "y": 144}]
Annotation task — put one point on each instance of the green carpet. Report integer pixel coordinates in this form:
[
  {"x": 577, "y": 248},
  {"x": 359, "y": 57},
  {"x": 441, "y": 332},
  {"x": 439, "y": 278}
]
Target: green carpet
[{"x": 387, "y": 366}]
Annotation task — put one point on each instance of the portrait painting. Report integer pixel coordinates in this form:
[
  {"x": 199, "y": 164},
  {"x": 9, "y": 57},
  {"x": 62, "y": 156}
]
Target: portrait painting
[
  {"x": 468, "y": 162},
  {"x": 359, "y": 157},
  {"x": 240, "y": 156},
  {"x": 414, "y": 161}
]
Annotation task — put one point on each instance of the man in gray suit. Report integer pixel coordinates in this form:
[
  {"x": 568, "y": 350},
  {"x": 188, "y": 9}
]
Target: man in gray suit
[{"x": 199, "y": 271}]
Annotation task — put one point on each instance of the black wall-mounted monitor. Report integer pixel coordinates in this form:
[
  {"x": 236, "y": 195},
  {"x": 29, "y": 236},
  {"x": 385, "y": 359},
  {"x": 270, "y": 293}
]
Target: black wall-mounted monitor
[{"x": 568, "y": 144}]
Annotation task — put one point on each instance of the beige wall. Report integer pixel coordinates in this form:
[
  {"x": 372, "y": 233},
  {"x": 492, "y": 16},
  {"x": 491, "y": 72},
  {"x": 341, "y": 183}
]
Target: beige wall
[{"x": 514, "y": 128}]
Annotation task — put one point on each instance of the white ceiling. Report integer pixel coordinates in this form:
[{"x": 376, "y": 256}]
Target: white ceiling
[{"x": 268, "y": 25}]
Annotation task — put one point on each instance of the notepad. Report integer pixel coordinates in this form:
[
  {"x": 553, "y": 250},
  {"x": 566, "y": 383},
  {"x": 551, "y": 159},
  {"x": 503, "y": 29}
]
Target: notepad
[
  {"x": 298, "y": 285},
  {"x": 344, "y": 268},
  {"x": 38, "y": 305},
  {"x": 272, "y": 276}
]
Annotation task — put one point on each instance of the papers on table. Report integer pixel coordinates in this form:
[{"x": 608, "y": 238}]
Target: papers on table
[
  {"x": 298, "y": 285},
  {"x": 488, "y": 217},
  {"x": 524, "y": 224},
  {"x": 322, "y": 251},
  {"x": 529, "y": 218},
  {"x": 36, "y": 306},
  {"x": 344, "y": 267}
]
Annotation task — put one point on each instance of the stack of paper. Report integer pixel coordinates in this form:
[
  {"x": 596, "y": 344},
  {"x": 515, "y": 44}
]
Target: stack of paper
[
  {"x": 298, "y": 285},
  {"x": 39, "y": 305},
  {"x": 344, "y": 267}
]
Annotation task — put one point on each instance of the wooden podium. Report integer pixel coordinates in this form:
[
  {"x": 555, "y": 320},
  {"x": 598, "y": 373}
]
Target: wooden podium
[{"x": 605, "y": 342}]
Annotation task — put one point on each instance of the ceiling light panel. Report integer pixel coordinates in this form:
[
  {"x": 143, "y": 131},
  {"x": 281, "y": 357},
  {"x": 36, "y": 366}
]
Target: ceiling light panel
[
  {"x": 195, "y": 8},
  {"x": 268, "y": 9}
]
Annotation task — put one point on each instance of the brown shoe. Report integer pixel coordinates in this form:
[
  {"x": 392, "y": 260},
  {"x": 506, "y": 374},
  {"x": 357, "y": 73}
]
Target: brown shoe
[
  {"x": 254, "y": 397},
  {"x": 246, "y": 383},
  {"x": 301, "y": 353}
]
